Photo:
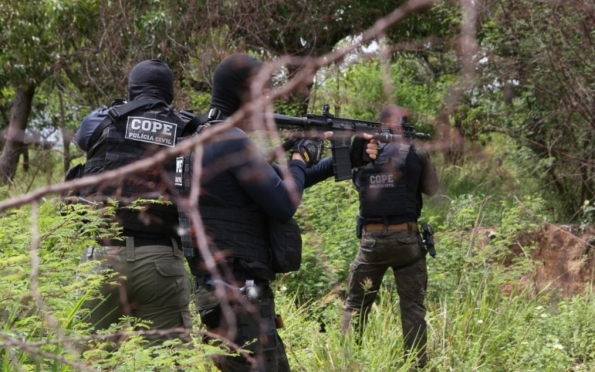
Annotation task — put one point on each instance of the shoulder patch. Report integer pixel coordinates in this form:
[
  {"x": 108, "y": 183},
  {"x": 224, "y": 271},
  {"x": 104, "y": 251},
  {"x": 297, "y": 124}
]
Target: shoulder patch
[{"x": 155, "y": 131}]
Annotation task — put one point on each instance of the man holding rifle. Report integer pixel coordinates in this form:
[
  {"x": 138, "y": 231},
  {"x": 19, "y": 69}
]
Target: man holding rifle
[
  {"x": 241, "y": 198},
  {"x": 390, "y": 193},
  {"x": 346, "y": 154}
]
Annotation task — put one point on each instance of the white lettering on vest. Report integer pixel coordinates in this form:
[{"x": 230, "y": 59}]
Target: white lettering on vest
[
  {"x": 146, "y": 125},
  {"x": 156, "y": 126},
  {"x": 382, "y": 181},
  {"x": 154, "y": 131},
  {"x": 179, "y": 164}
]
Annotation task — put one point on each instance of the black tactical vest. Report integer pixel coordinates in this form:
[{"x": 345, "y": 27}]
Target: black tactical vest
[
  {"x": 237, "y": 233},
  {"x": 389, "y": 187},
  {"x": 128, "y": 138}
]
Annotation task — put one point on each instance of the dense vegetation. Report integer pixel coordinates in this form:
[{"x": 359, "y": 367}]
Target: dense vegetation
[{"x": 506, "y": 89}]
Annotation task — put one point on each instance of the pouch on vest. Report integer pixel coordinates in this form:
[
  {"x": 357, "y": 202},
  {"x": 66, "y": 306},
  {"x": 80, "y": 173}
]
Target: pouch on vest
[
  {"x": 75, "y": 172},
  {"x": 286, "y": 246}
]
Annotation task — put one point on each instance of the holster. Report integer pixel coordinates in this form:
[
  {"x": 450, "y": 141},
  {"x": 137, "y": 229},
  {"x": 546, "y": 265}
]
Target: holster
[
  {"x": 279, "y": 321},
  {"x": 358, "y": 227},
  {"x": 268, "y": 324}
]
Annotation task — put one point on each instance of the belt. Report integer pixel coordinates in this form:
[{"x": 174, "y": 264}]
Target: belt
[
  {"x": 138, "y": 242},
  {"x": 202, "y": 280},
  {"x": 411, "y": 226}
]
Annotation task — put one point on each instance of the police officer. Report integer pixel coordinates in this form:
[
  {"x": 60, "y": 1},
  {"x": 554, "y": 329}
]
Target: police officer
[
  {"x": 151, "y": 275},
  {"x": 390, "y": 196},
  {"x": 240, "y": 192}
]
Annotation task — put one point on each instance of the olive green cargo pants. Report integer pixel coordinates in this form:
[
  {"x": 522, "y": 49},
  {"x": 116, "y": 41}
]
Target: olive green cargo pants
[
  {"x": 151, "y": 284},
  {"x": 402, "y": 251}
]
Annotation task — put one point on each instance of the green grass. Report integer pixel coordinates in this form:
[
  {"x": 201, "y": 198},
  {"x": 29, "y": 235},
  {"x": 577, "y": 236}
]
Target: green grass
[
  {"x": 472, "y": 324},
  {"x": 476, "y": 329}
]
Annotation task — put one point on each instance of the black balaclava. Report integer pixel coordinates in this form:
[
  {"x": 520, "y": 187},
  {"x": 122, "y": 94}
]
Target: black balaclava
[
  {"x": 151, "y": 78},
  {"x": 231, "y": 82},
  {"x": 391, "y": 111}
]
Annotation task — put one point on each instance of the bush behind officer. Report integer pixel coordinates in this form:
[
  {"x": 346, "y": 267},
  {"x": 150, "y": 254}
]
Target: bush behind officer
[
  {"x": 390, "y": 197},
  {"x": 152, "y": 279}
]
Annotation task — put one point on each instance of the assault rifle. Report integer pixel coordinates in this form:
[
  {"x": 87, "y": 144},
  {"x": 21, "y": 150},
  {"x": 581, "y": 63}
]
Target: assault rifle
[{"x": 343, "y": 129}]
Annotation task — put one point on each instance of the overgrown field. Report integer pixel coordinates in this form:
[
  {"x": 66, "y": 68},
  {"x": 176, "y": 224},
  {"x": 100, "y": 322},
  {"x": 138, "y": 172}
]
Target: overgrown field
[{"x": 481, "y": 315}]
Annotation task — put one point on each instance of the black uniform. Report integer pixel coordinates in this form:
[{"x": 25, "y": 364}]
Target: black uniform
[
  {"x": 240, "y": 192},
  {"x": 390, "y": 192}
]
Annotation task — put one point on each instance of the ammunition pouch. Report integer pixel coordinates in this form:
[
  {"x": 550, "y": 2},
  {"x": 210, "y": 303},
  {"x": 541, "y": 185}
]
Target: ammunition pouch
[{"x": 286, "y": 245}]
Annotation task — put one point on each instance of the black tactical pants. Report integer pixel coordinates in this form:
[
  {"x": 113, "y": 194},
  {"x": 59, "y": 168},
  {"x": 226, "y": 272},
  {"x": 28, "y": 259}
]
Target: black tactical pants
[
  {"x": 151, "y": 283},
  {"x": 251, "y": 326},
  {"x": 402, "y": 251}
]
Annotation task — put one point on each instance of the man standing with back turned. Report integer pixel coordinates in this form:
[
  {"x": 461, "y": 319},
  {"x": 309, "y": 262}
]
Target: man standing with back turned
[
  {"x": 151, "y": 275},
  {"x": 390, "y": 195}
]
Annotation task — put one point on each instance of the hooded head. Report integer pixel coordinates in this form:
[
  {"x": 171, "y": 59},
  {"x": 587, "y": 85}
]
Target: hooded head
[
  {"x": 231, "y": 82},
  {"x": 152, "y": 78},
  {"x": 393, "y": 116}
]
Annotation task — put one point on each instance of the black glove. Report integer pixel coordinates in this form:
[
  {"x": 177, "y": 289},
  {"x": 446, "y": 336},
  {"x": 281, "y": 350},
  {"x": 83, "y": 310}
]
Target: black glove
[{"x": 309, "y": 149}]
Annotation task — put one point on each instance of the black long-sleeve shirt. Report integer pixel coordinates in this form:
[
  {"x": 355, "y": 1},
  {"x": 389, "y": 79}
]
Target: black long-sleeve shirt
[{"x": 235, "y": 175}]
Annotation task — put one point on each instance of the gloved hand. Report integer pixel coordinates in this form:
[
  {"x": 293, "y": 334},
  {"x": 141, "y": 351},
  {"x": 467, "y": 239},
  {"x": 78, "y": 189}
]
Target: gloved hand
[
  {"x": 364, "y": 149},
  {"x": 309, "y": 149}
]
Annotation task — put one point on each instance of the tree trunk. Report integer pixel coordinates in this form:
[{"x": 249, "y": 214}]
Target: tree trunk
[
  {"x": 300, "y": 97},
  {"x": 14, "y": 145},
  {"x": 66, "y": 136},
  {"x": 455, "y": 155},
  {"x": 443, "y": 127}
]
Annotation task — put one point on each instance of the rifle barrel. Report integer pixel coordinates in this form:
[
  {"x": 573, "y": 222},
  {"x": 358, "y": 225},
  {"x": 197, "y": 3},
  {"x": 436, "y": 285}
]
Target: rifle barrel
[
  {"x": 290, "y": 120},
  {"x": 324, "y": 124}
]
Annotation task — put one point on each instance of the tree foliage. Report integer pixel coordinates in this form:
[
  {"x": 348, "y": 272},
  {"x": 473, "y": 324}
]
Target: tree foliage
[{"x": 536, "y": 86}]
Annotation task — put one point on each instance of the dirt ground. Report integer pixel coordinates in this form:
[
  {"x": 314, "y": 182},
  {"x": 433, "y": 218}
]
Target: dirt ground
[{"x": 564, "y": 258}]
